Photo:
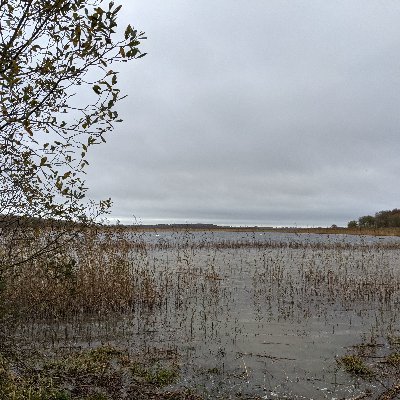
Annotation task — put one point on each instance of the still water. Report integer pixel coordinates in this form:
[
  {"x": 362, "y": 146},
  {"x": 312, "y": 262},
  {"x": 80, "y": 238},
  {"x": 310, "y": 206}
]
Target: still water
[{"x": 260, "y": 314}]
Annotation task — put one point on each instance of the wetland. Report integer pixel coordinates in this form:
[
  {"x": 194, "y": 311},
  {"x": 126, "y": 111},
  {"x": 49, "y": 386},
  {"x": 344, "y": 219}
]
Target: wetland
[{"x": 208, "y": 314}]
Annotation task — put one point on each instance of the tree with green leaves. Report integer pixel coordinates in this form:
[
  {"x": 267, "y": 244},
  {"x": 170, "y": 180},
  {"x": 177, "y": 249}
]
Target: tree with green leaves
[
  {"x": 367, "y": 221},
  {"x": 388, "y": 218},
  {"x": 58, "y": 92},
  {"x": 352, "y": 224}
]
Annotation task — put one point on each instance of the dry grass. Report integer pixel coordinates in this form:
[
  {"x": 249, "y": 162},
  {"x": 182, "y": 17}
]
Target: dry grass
[
  {"x": 92, "y": 274},
  {"x": 113, "y": 270},
  {"x": 345, "y": 231},
  {"x": 116, "y": 271},
  {"x": 318, "y": 230}
]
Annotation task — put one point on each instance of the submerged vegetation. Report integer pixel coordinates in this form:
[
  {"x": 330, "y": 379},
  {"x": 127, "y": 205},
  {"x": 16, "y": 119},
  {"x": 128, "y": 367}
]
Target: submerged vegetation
[
  {"x": 113, "y": 313},
  {"x": 95, "y": 374},
  {"x": 378, "y": 362},
  {"x": 101, "y": 272},
  {"x": 355, "y": 366},
  {"x": 216, "y": 312}
]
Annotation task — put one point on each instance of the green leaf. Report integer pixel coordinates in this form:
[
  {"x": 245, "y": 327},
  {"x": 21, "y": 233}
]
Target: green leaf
[
  {"x": 128, "y": 31},
  {"x": 97, "y": 89}
]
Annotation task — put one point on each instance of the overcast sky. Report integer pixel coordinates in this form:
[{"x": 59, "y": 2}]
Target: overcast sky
[{"x": 256, "y": 112}]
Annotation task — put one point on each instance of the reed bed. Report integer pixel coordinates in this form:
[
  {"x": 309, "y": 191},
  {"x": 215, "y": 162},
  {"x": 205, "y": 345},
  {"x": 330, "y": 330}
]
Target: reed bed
[
  {"x": 86, "y": 276},
  {"x": 258, "y": 244},
  {"x": 203, "y": 292},
  {"x": 102, "y": 272}
]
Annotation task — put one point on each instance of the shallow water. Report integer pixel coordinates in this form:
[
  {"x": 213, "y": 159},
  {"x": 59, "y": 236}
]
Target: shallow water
[{"x": 264, "y": 320}]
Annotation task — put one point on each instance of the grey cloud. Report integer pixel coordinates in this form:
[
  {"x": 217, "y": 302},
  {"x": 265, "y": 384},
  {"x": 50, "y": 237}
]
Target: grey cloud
[{"x": 257, "y": 113}]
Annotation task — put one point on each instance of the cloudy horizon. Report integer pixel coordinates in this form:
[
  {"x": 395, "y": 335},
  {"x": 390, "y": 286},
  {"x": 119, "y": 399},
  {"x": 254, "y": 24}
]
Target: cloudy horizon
[{"x": 270, "y": 113}]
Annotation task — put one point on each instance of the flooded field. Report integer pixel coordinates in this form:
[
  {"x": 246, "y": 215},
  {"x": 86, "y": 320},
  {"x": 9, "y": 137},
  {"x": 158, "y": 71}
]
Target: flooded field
[{"x": 244, "y": 315}]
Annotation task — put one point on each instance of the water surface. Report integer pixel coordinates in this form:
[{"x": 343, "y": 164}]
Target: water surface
[{"x": 255, "y": 313}]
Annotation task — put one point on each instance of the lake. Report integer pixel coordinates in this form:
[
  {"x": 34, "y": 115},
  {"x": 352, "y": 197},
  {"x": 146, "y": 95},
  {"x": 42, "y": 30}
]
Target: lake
[{"x": 253, "y": 314}]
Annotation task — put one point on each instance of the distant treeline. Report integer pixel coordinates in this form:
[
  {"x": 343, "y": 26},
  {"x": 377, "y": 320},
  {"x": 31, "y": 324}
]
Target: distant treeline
[{"x": 382, "y": 219}]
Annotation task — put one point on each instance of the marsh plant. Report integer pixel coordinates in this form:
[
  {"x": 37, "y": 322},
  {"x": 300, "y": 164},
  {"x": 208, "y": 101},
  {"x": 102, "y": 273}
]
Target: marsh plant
[
  {"x": 242, "y": 304},
  {"x": 103, "y": 373},
  {"x": 92, "y": 273}
]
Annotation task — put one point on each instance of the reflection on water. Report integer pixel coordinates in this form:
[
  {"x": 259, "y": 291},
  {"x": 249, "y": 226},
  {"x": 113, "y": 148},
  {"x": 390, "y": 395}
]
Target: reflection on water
[{"x": 265, "y": 317}]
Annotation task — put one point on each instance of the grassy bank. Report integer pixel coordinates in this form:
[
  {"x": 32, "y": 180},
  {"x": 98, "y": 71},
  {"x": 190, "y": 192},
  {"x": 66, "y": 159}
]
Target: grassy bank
[{"x": 103, "y": 373}]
